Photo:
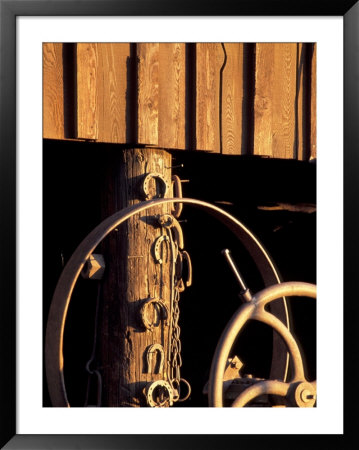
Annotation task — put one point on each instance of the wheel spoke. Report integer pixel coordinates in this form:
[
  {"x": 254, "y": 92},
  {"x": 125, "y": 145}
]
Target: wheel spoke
[
  {"x": 265, "y": 317},
  {"x": 273, "y": 387}
]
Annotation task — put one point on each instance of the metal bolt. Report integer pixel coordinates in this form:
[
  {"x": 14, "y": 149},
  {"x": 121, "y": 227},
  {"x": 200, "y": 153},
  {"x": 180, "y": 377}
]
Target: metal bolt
[
  {"x": 235, "y": 362},
  {"x": 306, "y": 395}
]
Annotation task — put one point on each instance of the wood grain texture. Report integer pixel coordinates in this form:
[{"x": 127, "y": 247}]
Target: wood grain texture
[
  {"x": 132, "y": 276},
  {"x": 275, "y": 100},
  {"x": 147, "y": 93},
  {"x": 232, "y": 98},
  {"x": 154, "y": 94},
  {"x": 112, "y": 86},
  {"x": 87, "y": 91},
  {"x": 284, "y": 111},
  {"x": 53, "y": 100},
  {"x": 209, "y": 60},
  {"x": 313, "y": 104},
  {"x": 263, "y": 100},
  {"x": 172, "y": 93},
  {"x": 102, "y": 91}
]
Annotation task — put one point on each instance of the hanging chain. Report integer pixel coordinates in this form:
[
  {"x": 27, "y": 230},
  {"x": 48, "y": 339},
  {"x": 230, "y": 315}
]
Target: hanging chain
[{"x": 174, "y": 342}]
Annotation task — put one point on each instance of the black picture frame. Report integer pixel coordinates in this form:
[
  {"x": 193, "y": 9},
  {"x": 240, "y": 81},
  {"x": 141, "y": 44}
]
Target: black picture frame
[{"x": 9, "y": 10}]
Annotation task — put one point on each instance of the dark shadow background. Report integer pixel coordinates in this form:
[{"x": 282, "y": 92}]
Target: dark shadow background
[{"x": 274, "y": 198}]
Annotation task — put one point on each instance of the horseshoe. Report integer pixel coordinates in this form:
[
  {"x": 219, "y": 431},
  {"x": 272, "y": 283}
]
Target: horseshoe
[
  {"x": 157, "y": 247},
  {"x": 144, "y": 312},
  {"x": 145, "y": 185},
  {"x": 54, "y": 361}
]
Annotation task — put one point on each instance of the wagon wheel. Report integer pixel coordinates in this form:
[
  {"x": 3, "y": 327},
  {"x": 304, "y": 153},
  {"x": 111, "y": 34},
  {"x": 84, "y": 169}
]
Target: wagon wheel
[
  {"x": 54, "y": 361},
  {"x": 298, "y": 391}
]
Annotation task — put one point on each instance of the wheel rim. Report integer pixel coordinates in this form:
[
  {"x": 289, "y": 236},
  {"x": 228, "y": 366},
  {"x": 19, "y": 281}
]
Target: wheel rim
[{"x": 54, "y": 361}]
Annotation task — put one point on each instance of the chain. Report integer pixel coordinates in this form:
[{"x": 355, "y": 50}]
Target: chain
[{"x": 174, "y": 342}]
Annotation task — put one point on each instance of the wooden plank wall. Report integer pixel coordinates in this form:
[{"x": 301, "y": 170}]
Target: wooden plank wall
[
  {"x": 53, "y": 91},
  {"x": 230, "y": 98}
]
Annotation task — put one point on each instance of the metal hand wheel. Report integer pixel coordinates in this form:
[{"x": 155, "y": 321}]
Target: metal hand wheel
[{"x": 298, "y": 391}]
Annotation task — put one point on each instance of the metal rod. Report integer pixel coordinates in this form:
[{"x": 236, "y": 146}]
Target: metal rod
[
  {"x": 174, "y": 167},
  {"x": 227, "y": 255}
]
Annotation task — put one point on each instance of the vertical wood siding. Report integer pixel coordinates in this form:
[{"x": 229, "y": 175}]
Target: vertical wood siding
[
  {"x": 275, "y": 100},
  {"x": 101, "y": 91},
  {"x": 53, "y": 99},
  {"x": 147, "y": 93},
  {"x": 229, "y": 98},
  {"x": 232, "y": 99},
  {"x": 172, "y": 96},
  {"x": 313, "y": 102}
]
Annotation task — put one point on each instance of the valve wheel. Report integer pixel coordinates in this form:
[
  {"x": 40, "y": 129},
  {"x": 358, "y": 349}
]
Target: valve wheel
[{"x": 298, "y": 391}]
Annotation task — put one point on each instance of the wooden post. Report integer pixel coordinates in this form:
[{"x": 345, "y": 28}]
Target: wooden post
[{"x": 132, "y": 276}]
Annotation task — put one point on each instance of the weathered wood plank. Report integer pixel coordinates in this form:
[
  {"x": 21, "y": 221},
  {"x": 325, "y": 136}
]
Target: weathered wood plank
[
  {"x": 313, "y": 105},
  {"x": 209, "y": 60},
  {"x": 112, "y": 91},
  {"x": 172, "y": 94},
  {"x": 87, "y": 92},
  {"x": 232, "y": 98},
  {"x": 263, "y": 101},
  {"x": 53, "y": 100},
  {"x": 306, "y": 101},
  {"x": 284, "y": 139},
  {"x": 275, "y": 99},
  {"x": 147, "y": 93}
]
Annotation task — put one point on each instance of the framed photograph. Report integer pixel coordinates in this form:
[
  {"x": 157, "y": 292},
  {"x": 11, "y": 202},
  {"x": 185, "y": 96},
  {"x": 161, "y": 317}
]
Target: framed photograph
[{"x": 110, "y": 114}]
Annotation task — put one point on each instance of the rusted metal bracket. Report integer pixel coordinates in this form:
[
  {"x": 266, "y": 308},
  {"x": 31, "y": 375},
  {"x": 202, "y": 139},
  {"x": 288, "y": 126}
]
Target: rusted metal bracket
[
  {"x": 231, "y": 373},
  {"x": 94, "y": 267}
]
